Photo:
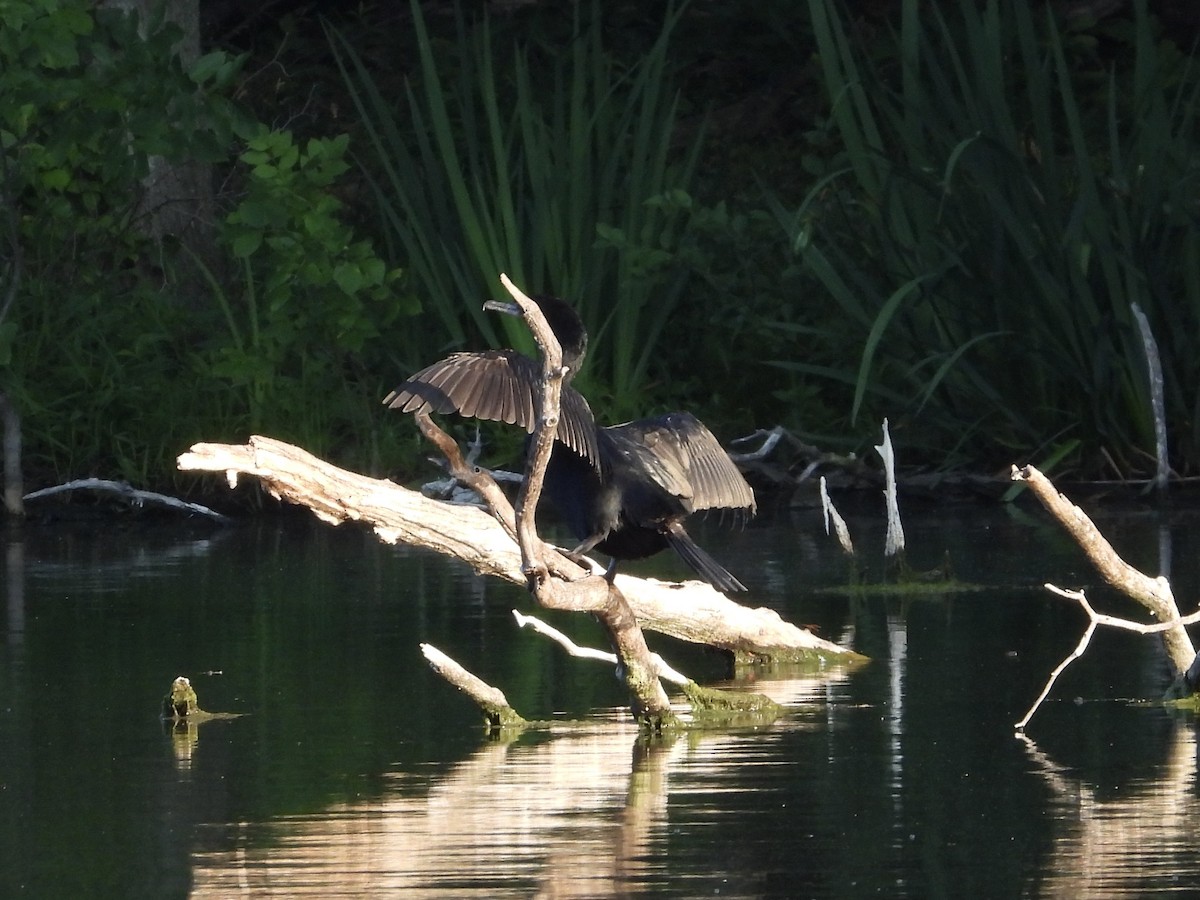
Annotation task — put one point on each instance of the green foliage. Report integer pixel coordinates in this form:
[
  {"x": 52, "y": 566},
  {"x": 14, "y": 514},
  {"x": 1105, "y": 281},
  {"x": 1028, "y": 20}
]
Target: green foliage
[
  {"x": 998, "y": 204},
  {"x": 85, "y": 346},
  {"x": 549, "y": 166},
  {"x": 114, "y": 374},
  {"x": 737, "y": 312},
  {"x": 984, "y": 193},
  {"x": 311, "y": 294},
  {"x": 82, "y": 104}
]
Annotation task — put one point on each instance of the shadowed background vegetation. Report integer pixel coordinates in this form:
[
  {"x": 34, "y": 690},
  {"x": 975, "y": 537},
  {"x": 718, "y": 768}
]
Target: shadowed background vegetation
[{"x": 801, "y": 214}]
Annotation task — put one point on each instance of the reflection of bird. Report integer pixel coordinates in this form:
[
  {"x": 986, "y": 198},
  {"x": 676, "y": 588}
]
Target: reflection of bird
[{"x": 623, "y": 490}]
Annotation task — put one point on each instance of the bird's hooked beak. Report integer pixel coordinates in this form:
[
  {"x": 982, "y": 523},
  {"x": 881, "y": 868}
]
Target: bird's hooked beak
[{"x": 510, "y": 309}]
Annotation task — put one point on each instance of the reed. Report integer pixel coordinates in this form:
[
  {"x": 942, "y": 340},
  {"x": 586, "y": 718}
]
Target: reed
[
  {"x": 549, "y": 166},
  {"x": 991, "y": 219}
]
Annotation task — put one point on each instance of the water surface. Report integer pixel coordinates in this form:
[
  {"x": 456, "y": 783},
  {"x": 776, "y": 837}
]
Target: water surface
[{"x": 355, "y": 771}]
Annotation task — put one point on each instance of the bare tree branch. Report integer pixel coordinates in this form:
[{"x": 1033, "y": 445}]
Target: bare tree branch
[{"x": 1153, "y": 593}]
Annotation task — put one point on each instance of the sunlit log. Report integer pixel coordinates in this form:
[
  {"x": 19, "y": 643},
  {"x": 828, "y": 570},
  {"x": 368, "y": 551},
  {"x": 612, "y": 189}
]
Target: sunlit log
[{"x": 692, "y": 611}]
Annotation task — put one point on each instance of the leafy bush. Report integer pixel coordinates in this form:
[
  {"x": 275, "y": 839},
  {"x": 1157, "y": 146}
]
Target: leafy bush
[
  {"x": 84, "y": 345},
  {"x": 311, "y": 294},
  {"x": 112, "y": 369}
]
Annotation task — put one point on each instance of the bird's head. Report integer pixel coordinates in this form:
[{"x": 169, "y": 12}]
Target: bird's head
[{"x": 563, "y": 321}]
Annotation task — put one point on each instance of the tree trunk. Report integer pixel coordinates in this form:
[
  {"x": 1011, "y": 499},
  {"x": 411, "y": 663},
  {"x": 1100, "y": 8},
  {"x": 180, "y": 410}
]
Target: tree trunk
[{"x": 177, "y": 203}]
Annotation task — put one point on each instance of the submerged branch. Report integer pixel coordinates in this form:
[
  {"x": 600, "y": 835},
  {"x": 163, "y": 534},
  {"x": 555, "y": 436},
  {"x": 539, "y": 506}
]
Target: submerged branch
[
  {"x": 130, "y": 494},
  {"x": 1153, "y": 593},
  {"x": 1095, "y": 620},
  {"x": 496, "y": 708},
  {"x": 662, "y": 667}
]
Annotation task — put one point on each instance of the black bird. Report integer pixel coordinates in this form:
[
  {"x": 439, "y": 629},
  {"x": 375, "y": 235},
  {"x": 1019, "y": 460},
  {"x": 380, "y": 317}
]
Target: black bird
[{"x": 623, "y": 490}]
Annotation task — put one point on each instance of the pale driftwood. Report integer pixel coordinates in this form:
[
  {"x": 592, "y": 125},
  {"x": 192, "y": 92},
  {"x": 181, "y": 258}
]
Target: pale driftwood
[
  {"x": 1153, "y": 593},
  {"x": 692, "y": 611},
  {"x": 129, "y": 494},
  {"x": 832, "y": 516},
  {"x": 593, "y": 594},
  {"x": 334, "y": 495},
  {"x": 770, "y": 439},
  {"x": 664, "y": 670},
  {"x": 488, "y": 698},
  {"x": 894, "y": 545},
  {"x": 541, "y": 566},
  {"x": 1154, "y": 375}
]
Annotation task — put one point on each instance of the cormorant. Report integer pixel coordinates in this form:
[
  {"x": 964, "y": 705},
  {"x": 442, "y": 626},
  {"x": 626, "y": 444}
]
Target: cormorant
[{"x": 623, "y": 490}]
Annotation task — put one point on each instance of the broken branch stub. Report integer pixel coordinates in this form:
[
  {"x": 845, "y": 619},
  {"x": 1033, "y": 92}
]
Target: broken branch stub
[{"x": 651, "y": 706}]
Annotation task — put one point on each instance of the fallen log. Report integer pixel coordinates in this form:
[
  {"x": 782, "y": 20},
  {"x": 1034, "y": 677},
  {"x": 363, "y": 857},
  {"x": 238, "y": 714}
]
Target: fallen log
[{"x": 690, "y": 611}]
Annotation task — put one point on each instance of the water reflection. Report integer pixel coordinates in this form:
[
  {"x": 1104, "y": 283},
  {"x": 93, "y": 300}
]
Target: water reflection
[
  {"x": 1116, "y": 846},
  {"x": 564, "y": 817},
  {"x": 357, "y": 772},
  {"x": 578, "y": 812}
]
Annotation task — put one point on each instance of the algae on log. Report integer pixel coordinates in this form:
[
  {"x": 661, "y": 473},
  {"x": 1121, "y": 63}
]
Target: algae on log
[{"x": 691, "y": 611}]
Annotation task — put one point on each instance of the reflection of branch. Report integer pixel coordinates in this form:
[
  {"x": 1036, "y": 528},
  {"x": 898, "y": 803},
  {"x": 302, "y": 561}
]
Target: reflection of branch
[
  {"x": 1054, "y": 774},
  {"x": 1105, "y": 845}
]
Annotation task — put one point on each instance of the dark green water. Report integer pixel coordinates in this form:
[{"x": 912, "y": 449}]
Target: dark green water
[{"x": 355, "y": 771}]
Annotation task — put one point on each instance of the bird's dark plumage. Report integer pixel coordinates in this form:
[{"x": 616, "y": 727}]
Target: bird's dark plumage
[
  {"x": 498, "y": 386},
  {"x": 623, "y": 490}
]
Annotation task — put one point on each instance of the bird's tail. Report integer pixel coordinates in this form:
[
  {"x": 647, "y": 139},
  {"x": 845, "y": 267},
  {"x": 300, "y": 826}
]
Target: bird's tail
[{"x": 707, "y": 567}]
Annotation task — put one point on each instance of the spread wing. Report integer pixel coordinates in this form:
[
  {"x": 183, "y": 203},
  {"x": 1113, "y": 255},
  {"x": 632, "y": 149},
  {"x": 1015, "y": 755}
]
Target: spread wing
[
  {"x": 687, "y": 461},
  {"x": 498, "y": 386}
]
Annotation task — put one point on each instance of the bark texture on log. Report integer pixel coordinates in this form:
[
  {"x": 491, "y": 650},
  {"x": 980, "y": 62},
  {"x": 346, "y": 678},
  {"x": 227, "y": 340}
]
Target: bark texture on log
[{"x": 692, "y": 611}]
